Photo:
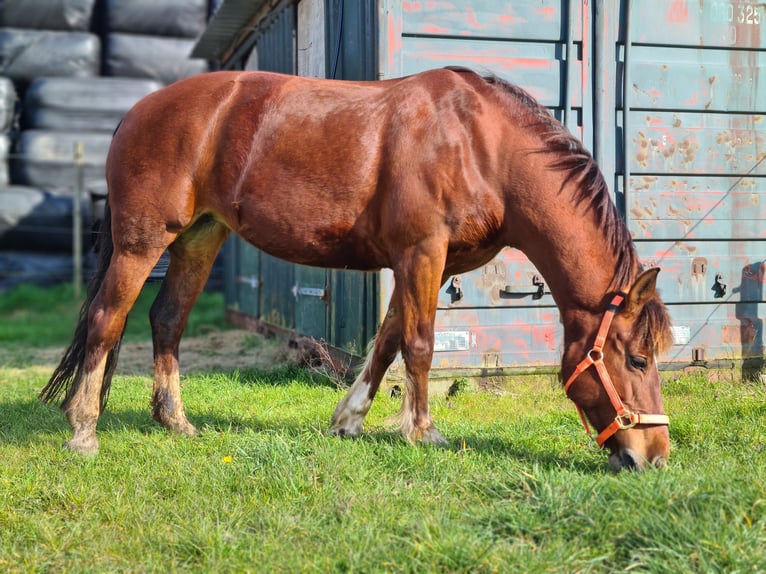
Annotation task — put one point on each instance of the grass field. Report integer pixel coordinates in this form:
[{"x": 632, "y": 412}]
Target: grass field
[{"x": 265, "y": 489}]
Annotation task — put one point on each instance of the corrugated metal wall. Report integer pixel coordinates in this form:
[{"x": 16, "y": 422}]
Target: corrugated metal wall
[
  {"x": 694, "y": 147},
  {"x": 687, "y": 159}
]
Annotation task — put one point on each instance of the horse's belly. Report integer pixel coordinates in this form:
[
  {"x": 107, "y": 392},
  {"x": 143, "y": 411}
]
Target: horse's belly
[{"x": 298, "y": 241}]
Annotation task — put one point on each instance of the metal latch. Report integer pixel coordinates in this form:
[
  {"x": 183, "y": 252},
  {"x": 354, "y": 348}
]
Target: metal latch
[
  {"x": 253, "y": 281},
  {"x": 455, "y": 290},
  {"x": 538, "y": 293},
  {"x": 719, "y": 286}
]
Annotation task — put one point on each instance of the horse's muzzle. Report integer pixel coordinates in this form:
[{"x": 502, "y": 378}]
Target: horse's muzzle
[{"x": 627, "y": 459}]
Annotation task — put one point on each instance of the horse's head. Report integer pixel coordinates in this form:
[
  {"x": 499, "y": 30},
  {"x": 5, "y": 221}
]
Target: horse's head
[{"x": 613, "y": 379}]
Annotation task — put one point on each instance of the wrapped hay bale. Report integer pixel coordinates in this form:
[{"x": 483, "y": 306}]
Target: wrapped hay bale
[
  {"x": 46, "y": 158},
  {"x": 28, "y": 54},
  {"x": 155, "y": 57},
  {"x": 177, "y": 18},
  {"x": 70, "y": 15},
  {"x": 82, "y": 104}
]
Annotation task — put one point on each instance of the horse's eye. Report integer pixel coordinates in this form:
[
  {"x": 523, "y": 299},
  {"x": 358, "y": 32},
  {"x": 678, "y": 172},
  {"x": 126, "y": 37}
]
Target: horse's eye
[{"x": 637, "y": 362}]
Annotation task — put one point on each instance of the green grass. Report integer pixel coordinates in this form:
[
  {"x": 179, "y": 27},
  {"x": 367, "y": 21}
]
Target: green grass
[
  {"x": 264, "y": 488},
  {"x": 45, "y": 316}
]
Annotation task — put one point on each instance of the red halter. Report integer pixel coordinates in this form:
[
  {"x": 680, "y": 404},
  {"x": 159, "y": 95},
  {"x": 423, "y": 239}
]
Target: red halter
[{"x": 624, "y": 419}]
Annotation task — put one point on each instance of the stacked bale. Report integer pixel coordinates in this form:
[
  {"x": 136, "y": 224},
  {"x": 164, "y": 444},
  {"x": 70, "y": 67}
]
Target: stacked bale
[
  {"x": 72, "y": 69},
  {"x": 59, "y": 113},
  {"x": 47, "y": 38},
  {"x": 42, "y": 38},
  {"x": 153, "y": 39}
]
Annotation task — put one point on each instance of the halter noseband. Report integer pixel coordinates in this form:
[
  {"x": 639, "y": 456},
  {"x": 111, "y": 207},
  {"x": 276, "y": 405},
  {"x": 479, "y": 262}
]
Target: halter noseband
[{"x": 624, "y": 419}]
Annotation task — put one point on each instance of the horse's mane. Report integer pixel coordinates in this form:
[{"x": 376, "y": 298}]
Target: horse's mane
[{"x": 580, "y": 167}]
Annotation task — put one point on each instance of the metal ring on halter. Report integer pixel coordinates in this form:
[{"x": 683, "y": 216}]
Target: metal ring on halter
[
  {"x": 593, "y": 443},
  {"x": 599, "y": 357}
]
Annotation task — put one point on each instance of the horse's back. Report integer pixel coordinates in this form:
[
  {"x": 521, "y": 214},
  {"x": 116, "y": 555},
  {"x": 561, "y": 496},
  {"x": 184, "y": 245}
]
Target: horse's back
[{"x": 347, "y": 162}]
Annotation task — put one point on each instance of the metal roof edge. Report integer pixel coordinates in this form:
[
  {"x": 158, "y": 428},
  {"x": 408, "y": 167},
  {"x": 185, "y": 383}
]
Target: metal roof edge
[{"x": 228, "y": 27}]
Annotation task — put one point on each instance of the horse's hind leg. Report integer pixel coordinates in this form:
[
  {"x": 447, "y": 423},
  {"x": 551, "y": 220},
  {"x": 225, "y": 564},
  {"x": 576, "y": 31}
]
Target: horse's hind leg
[
  {"x": 191, "y": 258},
  {"x": 106, "y": 322},
  {"x": 349, "y": 415}
]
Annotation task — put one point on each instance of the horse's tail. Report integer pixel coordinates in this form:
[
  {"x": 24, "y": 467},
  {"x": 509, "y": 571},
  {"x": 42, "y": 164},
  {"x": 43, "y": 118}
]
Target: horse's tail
[{"x": 66, "y": 377}]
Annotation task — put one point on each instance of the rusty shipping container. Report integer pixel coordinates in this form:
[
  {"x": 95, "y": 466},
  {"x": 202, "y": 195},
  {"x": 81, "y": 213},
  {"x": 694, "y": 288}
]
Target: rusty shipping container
[{"x": 667, "y": 94}]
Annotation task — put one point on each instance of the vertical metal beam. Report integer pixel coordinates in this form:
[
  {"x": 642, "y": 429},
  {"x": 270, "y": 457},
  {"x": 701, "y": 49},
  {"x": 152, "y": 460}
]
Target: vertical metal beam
[
  {"x": 569, "y": 64},
  {"x": 605, "y": 130},
  {"x": 601, "y": 130},
  {"x": 77, "y": 218},
  {"x": 627, "y": 84}
]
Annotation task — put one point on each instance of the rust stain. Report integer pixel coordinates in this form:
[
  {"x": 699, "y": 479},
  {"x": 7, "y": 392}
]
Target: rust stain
[
  {"x": 678, "y": 12},
  {"x": 668, "y": 151},
  {"x": 688, "y": 150},
  {"x": 674, "y": 213},
  {"x": 548, "y": 13},
  {"x": 642, "y": 143},
  {"x": 643, "y": 183},
  {"x": 690, "y": 249},
  {"x": 433, "y": 29},
  {"x": 509, "y": 20},
  {"x": 472, "y": 20}
]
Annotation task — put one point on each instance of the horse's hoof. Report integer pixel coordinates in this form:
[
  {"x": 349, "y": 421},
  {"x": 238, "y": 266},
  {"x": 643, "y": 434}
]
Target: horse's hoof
[
  {"x": 433, "y": 437},
  {"x": 345, "y": 431},
  {"x": 183, "y": 427},
  {"x": 87, "y": 446},
  {"x": 177, "y": 424}
]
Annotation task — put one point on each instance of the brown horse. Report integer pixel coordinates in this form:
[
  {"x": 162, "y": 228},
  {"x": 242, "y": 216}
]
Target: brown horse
[{"x": 429, "y": 175}]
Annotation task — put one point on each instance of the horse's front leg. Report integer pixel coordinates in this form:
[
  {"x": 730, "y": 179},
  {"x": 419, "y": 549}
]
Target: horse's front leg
[
  {"x": 348, "y": 418},
  {"x": 418, "y": 278}
]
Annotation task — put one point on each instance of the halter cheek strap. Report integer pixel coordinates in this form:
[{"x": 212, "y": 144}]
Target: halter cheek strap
[{"x": 625, "y": 418}]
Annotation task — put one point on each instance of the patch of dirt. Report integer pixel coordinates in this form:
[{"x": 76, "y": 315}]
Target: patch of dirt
[{"x": 217, "y": 351}]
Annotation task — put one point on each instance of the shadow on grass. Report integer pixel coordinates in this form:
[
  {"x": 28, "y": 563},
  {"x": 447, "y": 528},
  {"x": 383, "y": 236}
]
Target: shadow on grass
[{"x": 27, "y": 420}]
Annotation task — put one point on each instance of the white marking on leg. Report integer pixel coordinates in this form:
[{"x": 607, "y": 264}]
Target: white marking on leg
[
  {"x": 348, "y": 419},
  {"x": 168, "y": 408},
  {"x": 84, "y": 409},
  {"x": 405, "y": 421}
]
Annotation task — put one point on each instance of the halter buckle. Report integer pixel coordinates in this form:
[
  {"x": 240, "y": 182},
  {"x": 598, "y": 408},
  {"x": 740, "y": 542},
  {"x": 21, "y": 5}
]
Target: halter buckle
[{"x": 627, "y": 416}]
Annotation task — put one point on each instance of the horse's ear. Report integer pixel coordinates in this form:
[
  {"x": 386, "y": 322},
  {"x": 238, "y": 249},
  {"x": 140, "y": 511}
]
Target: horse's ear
[{"x": 643, "y": 289}]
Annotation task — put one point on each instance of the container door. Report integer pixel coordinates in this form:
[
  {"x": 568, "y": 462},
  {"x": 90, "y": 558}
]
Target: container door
[
  {"x": 501, "y": 316},
  {"x": 693, "y": 183}
]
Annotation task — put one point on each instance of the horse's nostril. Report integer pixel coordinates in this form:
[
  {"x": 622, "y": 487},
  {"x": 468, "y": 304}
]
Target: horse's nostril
[
  {"x": 625, "y": 460},
  {"x": 628, "y": 461}
]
